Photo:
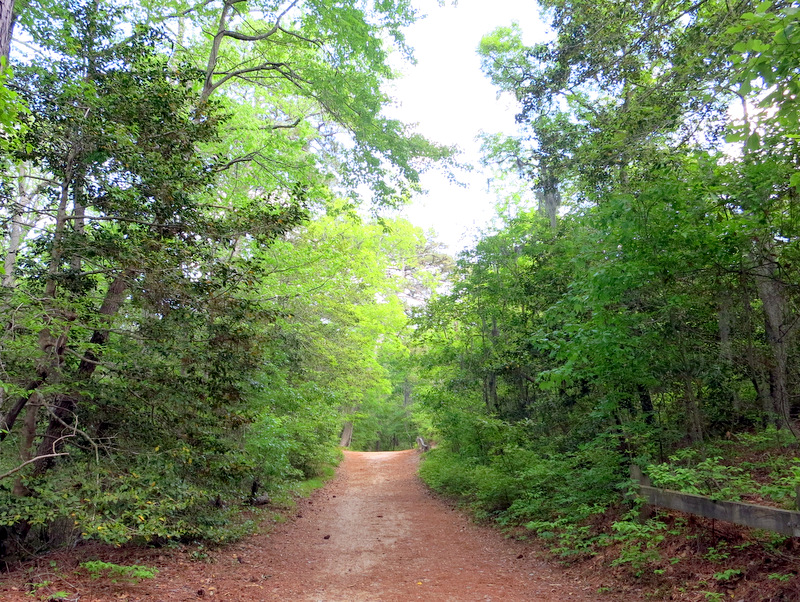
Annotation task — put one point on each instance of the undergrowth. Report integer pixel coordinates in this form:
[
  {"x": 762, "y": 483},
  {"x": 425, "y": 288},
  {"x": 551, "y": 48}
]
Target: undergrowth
[{"x": 582, "y": 505}]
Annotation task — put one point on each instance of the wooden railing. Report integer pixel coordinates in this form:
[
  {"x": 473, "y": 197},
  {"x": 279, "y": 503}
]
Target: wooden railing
[{"x": 785, "y": 522}]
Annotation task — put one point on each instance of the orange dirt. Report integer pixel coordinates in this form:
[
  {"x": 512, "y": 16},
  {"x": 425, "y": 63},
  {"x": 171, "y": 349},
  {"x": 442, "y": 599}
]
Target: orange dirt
[{"x": 373, "y": 533}]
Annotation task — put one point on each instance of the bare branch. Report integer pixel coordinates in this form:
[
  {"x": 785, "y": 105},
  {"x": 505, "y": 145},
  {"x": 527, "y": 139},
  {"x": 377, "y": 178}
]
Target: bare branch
[
  {"x": 186, "y": 12},
  {"x": 83, "y": 358},
  {"x": 114, "y": 218},
  {"x": 75, "y": 430},
  {"x": 283, "y": 126},
  {"x": 31, "y": 461},
  {"x": 222, "y": 33},
  {"x": 299, "y": 37},
  {"x": 257, "y": 37},
  {"x": 239, "y": 72}
]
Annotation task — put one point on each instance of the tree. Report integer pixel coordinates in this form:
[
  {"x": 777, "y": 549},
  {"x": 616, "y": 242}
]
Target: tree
[
  {"x": 659, "y": 308},
  {"x": 6, "y": 27},
  {"x": 162, "y": 328},
  {"x": 614, "y": 98}
]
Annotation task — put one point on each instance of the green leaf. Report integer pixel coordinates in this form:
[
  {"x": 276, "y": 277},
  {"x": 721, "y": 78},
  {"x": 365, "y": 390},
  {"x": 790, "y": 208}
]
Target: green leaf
[
  {"x": 745, "y": 87},
  {"x": 763, "y": 6}
]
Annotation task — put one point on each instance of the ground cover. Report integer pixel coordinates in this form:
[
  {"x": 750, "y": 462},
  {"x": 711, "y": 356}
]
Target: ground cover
[{"x": 576, "y": 507}]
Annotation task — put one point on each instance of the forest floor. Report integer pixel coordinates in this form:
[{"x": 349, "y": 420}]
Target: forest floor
[{"x": 374, "y": 532}]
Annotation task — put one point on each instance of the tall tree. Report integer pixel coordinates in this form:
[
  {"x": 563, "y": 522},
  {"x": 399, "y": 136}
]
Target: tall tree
[
  {"x": 172, "y": 147},
  {"x": 6, "y": 27}
]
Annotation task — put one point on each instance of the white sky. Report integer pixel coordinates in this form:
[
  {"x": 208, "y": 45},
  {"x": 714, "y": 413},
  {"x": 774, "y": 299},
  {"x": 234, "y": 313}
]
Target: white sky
[{"x": 451, "y": 100}]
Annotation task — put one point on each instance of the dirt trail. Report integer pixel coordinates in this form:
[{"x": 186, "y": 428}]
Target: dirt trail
[
  {"x": 391, "y": 540},
  {"x": 373, "y": 533}
]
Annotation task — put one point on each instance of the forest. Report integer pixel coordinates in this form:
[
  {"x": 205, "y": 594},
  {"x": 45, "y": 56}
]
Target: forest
[
  {"x": 195, "y": 298},
  {"x": 206, "y": 289}
]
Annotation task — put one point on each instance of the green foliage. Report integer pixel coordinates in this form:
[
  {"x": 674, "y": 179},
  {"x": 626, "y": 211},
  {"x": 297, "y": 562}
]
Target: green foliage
[
  {"x": 13, "y": 123},
  {"x": 180, "y": 336},
  {"x": 115, "y": 572},
  {"x": 516, "y": 485},
  {"x": 709, "y": 477},
  {"x": 646, "y": 312},
  {"x": 780, "y": 576}
]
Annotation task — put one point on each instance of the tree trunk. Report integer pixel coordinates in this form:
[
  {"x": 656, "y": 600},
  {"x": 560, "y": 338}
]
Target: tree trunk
[
  {"x": 490, "y": 391},
  {"x": 7, "y": 18},
  {"x": 490, "y": 382},
  {"x": 208, "y": 84},
  {"x": 28, "y": 201},
  {"x": 693, "y": 423},
  {"x": 724, "y": 325},
  {"x": 755, "y": 365},
  {"x": 347, "y": 435},
  {"x": 52, "y": 348},
  {"x": 26, "y": 438},
  {"x": 646, "y": 403},
  {"x": 14, "y": 244},
  {"x": 780, "y": 327},
  {"x": 64, "y": 406}
]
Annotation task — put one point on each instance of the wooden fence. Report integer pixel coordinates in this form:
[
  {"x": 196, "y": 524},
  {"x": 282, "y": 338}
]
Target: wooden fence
[{"x": 785, "y": 522}]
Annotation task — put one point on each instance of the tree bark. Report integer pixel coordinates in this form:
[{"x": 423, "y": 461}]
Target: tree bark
[
  {"x": 694, "y": 424},
  {"x": 52, "y": 348},
  {"x": 755, "y": 365},
  {"x": 7, "y": 19},
  {"x": 347, "y": 435},
  {"x": 29, "y": 197},
  {"x": 14, "y": 244},
  {"x": 780, "y": 327},
  {"x": 10, "y": 418},
  {"x": 58, "y": 233},
  {"x": 646, "y": 403},
  {"x": 26, "y": 438},
  {"x": 64, "y": 406}
]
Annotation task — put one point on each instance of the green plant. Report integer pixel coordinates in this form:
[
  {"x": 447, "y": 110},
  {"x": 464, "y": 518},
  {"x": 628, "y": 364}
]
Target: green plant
[
  {"x": 780, "y": 576},
  {"x": 640, "y": 541},
  {"x": 117, "y": 572},
  {"x": 708, "y": 477},
  {"x": 200, "y": 554},
  {"x": 717, "y": 553},
  {"x": 33, "y": 588},
  {"x": 727, "y": 574},
  {"x": 638, "y": 555},
  {"x": 714, "y": 596}
]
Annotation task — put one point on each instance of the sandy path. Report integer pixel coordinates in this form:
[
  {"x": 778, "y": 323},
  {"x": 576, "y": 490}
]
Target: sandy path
[{"x": 373, "y": 533}]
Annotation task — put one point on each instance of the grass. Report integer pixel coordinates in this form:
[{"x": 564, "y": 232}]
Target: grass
[{"x": 307, "y": 487}]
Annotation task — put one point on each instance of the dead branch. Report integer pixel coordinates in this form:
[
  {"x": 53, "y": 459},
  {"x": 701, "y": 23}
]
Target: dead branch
[{"x": 31, "y": 461}]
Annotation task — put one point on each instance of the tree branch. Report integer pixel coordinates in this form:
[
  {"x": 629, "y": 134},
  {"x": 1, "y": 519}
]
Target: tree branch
[
  {"x": 31, "y": 461},
  {"x": 238, "y": 72}
]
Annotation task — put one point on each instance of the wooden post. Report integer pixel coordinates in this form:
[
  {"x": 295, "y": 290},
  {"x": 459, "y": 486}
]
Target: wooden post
[{"x": 638, "y": 476}]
